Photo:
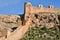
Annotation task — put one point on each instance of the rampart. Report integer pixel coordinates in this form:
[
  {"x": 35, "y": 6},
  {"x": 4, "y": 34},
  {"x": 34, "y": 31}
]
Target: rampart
[{"x": 29, "y": 9}]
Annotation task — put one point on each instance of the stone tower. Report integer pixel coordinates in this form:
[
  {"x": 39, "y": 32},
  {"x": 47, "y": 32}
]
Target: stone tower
[{"x": 27, "y": 9}]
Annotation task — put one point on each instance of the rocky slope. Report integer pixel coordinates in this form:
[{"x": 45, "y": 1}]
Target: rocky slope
[{"x": 8, "y": 21}]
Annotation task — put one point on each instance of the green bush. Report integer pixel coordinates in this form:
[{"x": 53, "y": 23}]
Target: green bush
[{"x": 37, "y": 33}]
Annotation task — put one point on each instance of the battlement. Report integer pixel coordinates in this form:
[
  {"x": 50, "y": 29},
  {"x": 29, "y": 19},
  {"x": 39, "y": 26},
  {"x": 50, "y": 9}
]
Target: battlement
[
  {"x": 40, "y": 5},
  {"x": 40, "y": 8},
  {"x": 31, "y": 9}
]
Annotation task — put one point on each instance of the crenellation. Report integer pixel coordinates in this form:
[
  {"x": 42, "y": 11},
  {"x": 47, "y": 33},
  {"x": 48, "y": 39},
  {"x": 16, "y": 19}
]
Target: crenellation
[
  {"x": 40, "y": 6},
  {"x": 51, "y": 6},
  {"x": 31, "y": 9}
]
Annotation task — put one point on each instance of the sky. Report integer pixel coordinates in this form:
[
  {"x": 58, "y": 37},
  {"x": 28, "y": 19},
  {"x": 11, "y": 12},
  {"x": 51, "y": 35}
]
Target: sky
[{"x": 17, "y": 6}]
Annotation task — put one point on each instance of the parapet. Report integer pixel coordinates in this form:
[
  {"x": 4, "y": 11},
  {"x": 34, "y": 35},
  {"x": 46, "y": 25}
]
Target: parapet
[{"x": 40, "y": 8}]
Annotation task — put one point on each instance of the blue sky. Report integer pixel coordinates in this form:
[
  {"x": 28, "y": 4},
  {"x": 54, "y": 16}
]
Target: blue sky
[{"x": 17, "y": 6}]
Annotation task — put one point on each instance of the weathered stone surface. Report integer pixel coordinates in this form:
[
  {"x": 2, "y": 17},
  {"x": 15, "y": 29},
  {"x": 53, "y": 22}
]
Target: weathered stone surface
[
  {"x": 8, "y": 21},
  {"x": 47, "y": 20}
]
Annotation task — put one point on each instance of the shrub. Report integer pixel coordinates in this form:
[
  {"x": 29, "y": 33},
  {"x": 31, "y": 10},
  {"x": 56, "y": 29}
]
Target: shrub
[{"x": 42, "y": 34}]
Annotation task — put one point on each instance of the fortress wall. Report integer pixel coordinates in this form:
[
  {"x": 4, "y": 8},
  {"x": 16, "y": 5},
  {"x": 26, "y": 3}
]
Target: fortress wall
[
  {"x": 36, "y": 10},
  {"x": 29, "y": 9}
]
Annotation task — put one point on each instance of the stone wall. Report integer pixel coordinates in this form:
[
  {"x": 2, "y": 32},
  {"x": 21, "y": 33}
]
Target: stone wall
[
  {"x": 29, "y": 9},
  {"x": 44, "y": 19},
  {"x": 50, "y": 13}
]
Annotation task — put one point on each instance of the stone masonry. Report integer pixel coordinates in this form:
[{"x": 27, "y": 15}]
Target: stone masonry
[{"x": 43, "y": 17}]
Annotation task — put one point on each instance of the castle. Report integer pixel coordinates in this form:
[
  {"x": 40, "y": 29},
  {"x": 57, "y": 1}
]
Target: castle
[
  {"x": 29, "y": 9},
  {"x": 40, "y": 16}
]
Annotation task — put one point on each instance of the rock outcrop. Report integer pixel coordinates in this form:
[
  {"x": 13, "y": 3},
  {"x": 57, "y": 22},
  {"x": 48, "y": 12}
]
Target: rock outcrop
[{"x": 8, "y": 22}]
